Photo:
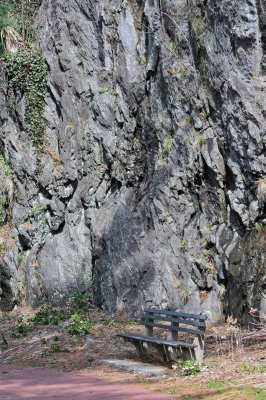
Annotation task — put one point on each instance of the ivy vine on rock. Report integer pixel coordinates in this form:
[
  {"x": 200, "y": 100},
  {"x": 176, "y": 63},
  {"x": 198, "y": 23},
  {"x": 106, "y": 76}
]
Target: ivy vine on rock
[{"x": 26, "y": 70}]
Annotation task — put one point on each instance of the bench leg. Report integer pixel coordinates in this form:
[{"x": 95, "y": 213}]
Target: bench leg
[
  {"x": 141, "y": 348},
  {"x": 173, "y": 353},
  {"x": 164, "y": 353},
  {"x": 199, "y": 350}
]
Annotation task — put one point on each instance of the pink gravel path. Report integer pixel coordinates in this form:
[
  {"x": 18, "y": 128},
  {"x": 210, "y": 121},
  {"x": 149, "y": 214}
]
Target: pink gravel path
[{"x": 19, "y": 382}]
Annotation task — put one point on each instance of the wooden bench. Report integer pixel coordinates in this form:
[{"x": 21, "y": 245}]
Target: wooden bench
[{"x": 192, "y": 325}]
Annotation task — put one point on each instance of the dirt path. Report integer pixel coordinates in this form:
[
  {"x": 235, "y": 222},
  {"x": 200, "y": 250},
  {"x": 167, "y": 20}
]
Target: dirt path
[{"x": 19, "y": 382}]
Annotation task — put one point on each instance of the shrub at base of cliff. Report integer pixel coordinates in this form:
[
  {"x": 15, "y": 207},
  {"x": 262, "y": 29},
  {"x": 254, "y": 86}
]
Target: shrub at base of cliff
[{"x": 78, "y": 326}]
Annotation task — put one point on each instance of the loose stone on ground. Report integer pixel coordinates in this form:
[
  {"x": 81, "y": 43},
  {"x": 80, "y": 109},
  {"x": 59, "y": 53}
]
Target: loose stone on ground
[{"x": 137, "y": 367}]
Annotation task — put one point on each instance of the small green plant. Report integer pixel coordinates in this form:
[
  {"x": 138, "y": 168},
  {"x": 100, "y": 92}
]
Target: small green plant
[
  {"x": 212, "y": 366},
  {"x": 47, "y": 315},
  {"x": 209, "y": 227},
  {"x": 256, "y": 393},
  {"x": 183, "y": 72},
  {"x": 215, "y": 384},
  {"x": 184, "y": 245},
  {"x": 2, "y": 247},
  {"x": 55, "y": 346},
  {"x": 36, "y": 210},
  {"x": 186, "y": 295},
  {"x": 142, "y": 61},
  {"x": 5, "y": 167},
  {"x": 168, "y": 143},
  {"x": 20, "y": 258},
  {"x": 202, "y": 115},
  {"x": 200, "y": 139},
  {"x": 2, "y": 208},
  {"x": 70, "y": 125},
  {"x": 132, "y": 323},
  {"x": 173, "y": 390},
  {"x": 110, "y": 91},
  {"x": 207, "y": 253},
  {"x": 187, "y": 120},
  {"x": 81, "y": 301},
  {"x": 243, "y": 367},
  {"x": 78, "y": 326},
  {"x": 19, "y": 330},
  {"x": 171, "y": 46},
  {"x": 177, "y": 283},
  {"x": 259, "y": 369},
  {"x": 257, "y": 100},
  {"x": 258, "y": 226},
  {"x": 56, "y": 163},
  {"x": 187, "y": 367}
]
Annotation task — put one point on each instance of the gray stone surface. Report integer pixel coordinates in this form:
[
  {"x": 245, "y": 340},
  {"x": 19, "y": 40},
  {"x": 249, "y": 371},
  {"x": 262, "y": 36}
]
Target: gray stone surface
[
  {"x": 158, "y": 118},
  {"x": 136, "y": 367}
]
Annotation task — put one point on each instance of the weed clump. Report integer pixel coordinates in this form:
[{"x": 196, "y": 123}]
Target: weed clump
[
  {"x": 47, "y": 315},
  {"x": 78, "y": 326},
  {"x": 187, "y": 367}
]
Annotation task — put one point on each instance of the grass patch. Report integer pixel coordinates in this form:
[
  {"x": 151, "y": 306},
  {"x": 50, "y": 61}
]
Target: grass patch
[
  {"x": 168, "y": 143},
  {"x": 243, "y": 367},
  {"x": 171, "y": 46},
  {"x": 215, "y": 384},
  {"x": 173, "y": 390},
  {"x": 110, "y": 91},
  {"x": 259, "y": 369}
]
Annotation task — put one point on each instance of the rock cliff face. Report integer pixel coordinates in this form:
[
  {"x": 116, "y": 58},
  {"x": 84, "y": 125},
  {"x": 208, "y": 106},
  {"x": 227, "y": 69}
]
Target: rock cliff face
[{"x": 151, "y": 181}]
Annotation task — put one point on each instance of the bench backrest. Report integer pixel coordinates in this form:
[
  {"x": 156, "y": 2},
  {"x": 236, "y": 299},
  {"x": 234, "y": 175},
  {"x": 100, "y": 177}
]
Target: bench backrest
[{"x": 156, "y": 318}]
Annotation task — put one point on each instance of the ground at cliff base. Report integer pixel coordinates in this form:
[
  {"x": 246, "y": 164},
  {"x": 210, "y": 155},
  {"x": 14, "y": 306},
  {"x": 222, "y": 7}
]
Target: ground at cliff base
[{"x": 235, "y": 359}]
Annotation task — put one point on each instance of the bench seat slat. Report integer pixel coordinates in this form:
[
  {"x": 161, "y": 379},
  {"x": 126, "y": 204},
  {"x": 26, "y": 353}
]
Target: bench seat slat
[
  {"x": 176, "y": 314},
  {"x": 150, "y": 339},
  {"x": 179, "y": 321},
  {"x": 175, "y": 328}
]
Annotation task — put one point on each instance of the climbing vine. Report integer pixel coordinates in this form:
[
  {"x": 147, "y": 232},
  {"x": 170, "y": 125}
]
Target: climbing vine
[
  {"x": 27, "y": 71},
  {"x": 24, "y": 64}
]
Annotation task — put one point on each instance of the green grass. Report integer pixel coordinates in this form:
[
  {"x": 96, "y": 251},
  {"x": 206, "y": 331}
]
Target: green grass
[
  {"x": 215, "y": 384},
  {"x": 200, "y": 139},
  {"x": 183, "y": 72},
  {"x": 110, "y": 91},
  {"x": 173, "y": 390},
  {"x": 243, "y": 367},
  {"x": 36, "y": 210},
  {"x": 171, "y": 46},
  {"x": 255, "y": 393},
  {"x": 184, "y": 245},
  {"x": 259, "y": 369},
  {"x": 187, "y": 119},
  {"x": 5, "y": 167},
  {"x": 168, "y": 143}
]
